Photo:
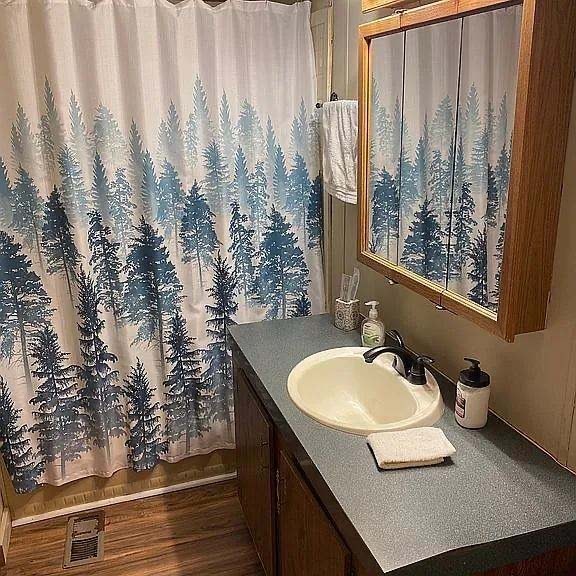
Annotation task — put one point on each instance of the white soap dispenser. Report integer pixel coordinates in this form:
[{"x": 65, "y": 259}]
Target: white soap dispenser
[
  {"x": 472, "y": 396},
  {"x": 373, "y": 332}
]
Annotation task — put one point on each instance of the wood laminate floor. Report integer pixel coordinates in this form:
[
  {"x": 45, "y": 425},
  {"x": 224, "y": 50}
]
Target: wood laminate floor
[{"x": 197, "y": 532}]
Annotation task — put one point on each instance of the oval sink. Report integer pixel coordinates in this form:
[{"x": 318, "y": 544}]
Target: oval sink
[{"x": 339, "y": 389}]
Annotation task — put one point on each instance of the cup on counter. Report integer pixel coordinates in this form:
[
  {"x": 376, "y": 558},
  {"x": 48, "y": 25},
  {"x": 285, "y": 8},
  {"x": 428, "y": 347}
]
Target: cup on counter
[{"x": 347, "y": 315}]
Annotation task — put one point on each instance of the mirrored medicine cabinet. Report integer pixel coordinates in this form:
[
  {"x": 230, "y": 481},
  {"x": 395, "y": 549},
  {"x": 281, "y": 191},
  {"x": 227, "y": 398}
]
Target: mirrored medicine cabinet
[{"x": 464, "y": 115}]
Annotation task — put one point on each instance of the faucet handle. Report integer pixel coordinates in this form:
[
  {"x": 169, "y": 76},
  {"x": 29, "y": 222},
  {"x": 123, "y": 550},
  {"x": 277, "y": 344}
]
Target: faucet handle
[
  {"x": 395, "y": 335},
  {"x": 418, "y": 370}
]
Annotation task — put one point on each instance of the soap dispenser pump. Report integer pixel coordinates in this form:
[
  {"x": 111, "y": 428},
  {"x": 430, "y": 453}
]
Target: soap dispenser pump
[
  {"x": 472, "y": 396},
  {"x": 373, "y": 332}
]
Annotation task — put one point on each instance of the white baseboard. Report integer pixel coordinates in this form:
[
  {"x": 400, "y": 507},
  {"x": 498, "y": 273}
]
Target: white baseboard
[{"x": 119, "y": 499}]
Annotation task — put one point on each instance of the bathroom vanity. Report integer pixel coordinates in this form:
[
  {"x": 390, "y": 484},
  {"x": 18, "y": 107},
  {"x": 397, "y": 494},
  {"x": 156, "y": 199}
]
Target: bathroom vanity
[{"x": 316, "y": 504}]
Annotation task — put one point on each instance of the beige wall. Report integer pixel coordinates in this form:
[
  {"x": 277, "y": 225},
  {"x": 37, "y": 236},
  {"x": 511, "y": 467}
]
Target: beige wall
[{"x": 534, "y": 379}]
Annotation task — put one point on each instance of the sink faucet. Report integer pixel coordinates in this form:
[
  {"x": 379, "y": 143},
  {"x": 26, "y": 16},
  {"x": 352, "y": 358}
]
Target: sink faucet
[{"x": 414, "y": 366}]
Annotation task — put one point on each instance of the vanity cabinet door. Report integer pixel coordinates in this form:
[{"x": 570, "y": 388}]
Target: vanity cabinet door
[
  {"x": 254, "y": 441},
  {"x": 308, "y": 543}
]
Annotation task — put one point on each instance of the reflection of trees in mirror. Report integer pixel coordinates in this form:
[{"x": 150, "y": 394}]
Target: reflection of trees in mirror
[
  {"x": 443, "y": 209},
  {"x": 424, "y": 251},
  {"x": 385, "y": 215}
]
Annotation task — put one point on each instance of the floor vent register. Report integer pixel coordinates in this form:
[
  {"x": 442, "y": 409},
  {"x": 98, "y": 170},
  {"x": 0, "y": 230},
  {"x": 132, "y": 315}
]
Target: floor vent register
[{"x": 84, "y": 539}]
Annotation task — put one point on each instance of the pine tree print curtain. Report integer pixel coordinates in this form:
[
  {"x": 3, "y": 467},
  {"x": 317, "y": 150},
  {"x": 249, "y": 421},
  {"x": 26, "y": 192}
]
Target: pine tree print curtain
[
  {"x": 442, "y": 109},
  {"x": 158, "y": 183}
]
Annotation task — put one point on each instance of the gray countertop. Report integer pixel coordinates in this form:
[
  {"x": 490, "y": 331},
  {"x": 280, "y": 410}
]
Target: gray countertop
[{"x": 497, "y": 501}]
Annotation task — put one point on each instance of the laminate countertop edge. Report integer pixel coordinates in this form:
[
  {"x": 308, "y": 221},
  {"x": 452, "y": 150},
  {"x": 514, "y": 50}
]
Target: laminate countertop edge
[{"x": 463, "y": 560}]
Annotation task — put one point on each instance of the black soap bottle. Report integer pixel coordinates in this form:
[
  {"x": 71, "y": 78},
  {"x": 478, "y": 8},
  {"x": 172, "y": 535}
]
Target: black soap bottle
[{"x": 472, "y": 396}]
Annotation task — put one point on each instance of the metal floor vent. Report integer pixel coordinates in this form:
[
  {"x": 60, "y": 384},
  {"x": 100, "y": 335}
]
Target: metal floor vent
[{"x": 84, "y": 539}]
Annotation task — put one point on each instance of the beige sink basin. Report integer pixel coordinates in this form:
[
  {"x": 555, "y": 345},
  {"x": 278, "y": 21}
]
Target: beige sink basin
[{"x": 339, "y": 389}]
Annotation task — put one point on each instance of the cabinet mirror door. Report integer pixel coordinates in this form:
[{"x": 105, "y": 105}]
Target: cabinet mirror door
[
  {"x": 427, "y": 157},
  {"x": 385, "y": 145},
  {"x": 488, "y": 76}
]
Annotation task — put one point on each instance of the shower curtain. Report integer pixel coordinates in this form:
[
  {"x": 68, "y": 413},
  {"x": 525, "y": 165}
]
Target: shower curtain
[{"x": 159, "y": 182}]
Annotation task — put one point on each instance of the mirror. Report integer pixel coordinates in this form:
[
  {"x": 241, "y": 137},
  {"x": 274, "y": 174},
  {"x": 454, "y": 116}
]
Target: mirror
[{"x": 442, "y": 102}]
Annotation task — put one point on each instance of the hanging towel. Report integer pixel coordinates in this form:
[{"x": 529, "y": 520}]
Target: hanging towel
[
  {"x": 410, "y": 448},
  {"x": 340, "y": 148}
]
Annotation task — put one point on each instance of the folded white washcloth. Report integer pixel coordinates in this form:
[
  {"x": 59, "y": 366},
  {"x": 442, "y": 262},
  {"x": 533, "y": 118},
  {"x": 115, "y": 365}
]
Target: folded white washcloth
[
  {"x": 410, "y": 448},
  {"x": 340, "y": 148}
]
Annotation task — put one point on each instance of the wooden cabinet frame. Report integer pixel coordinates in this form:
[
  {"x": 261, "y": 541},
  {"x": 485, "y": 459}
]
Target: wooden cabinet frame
[
  {"x": 369, "y": 5},
  {"x": 546, "y": 72}
]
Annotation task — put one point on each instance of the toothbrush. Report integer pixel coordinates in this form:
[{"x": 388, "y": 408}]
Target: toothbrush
[
  {"x": 345, "y": 287},
  {"x": 353, "y": 287}
]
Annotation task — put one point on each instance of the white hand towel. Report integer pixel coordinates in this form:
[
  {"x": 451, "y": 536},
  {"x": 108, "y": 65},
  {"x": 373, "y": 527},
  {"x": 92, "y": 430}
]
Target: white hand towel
[
  {"x": 410, "y": 448},
  {"x": 340, "y": 148}
]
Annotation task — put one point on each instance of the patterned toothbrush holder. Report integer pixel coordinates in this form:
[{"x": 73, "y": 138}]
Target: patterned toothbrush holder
[{"x": 347, "y": 315}]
